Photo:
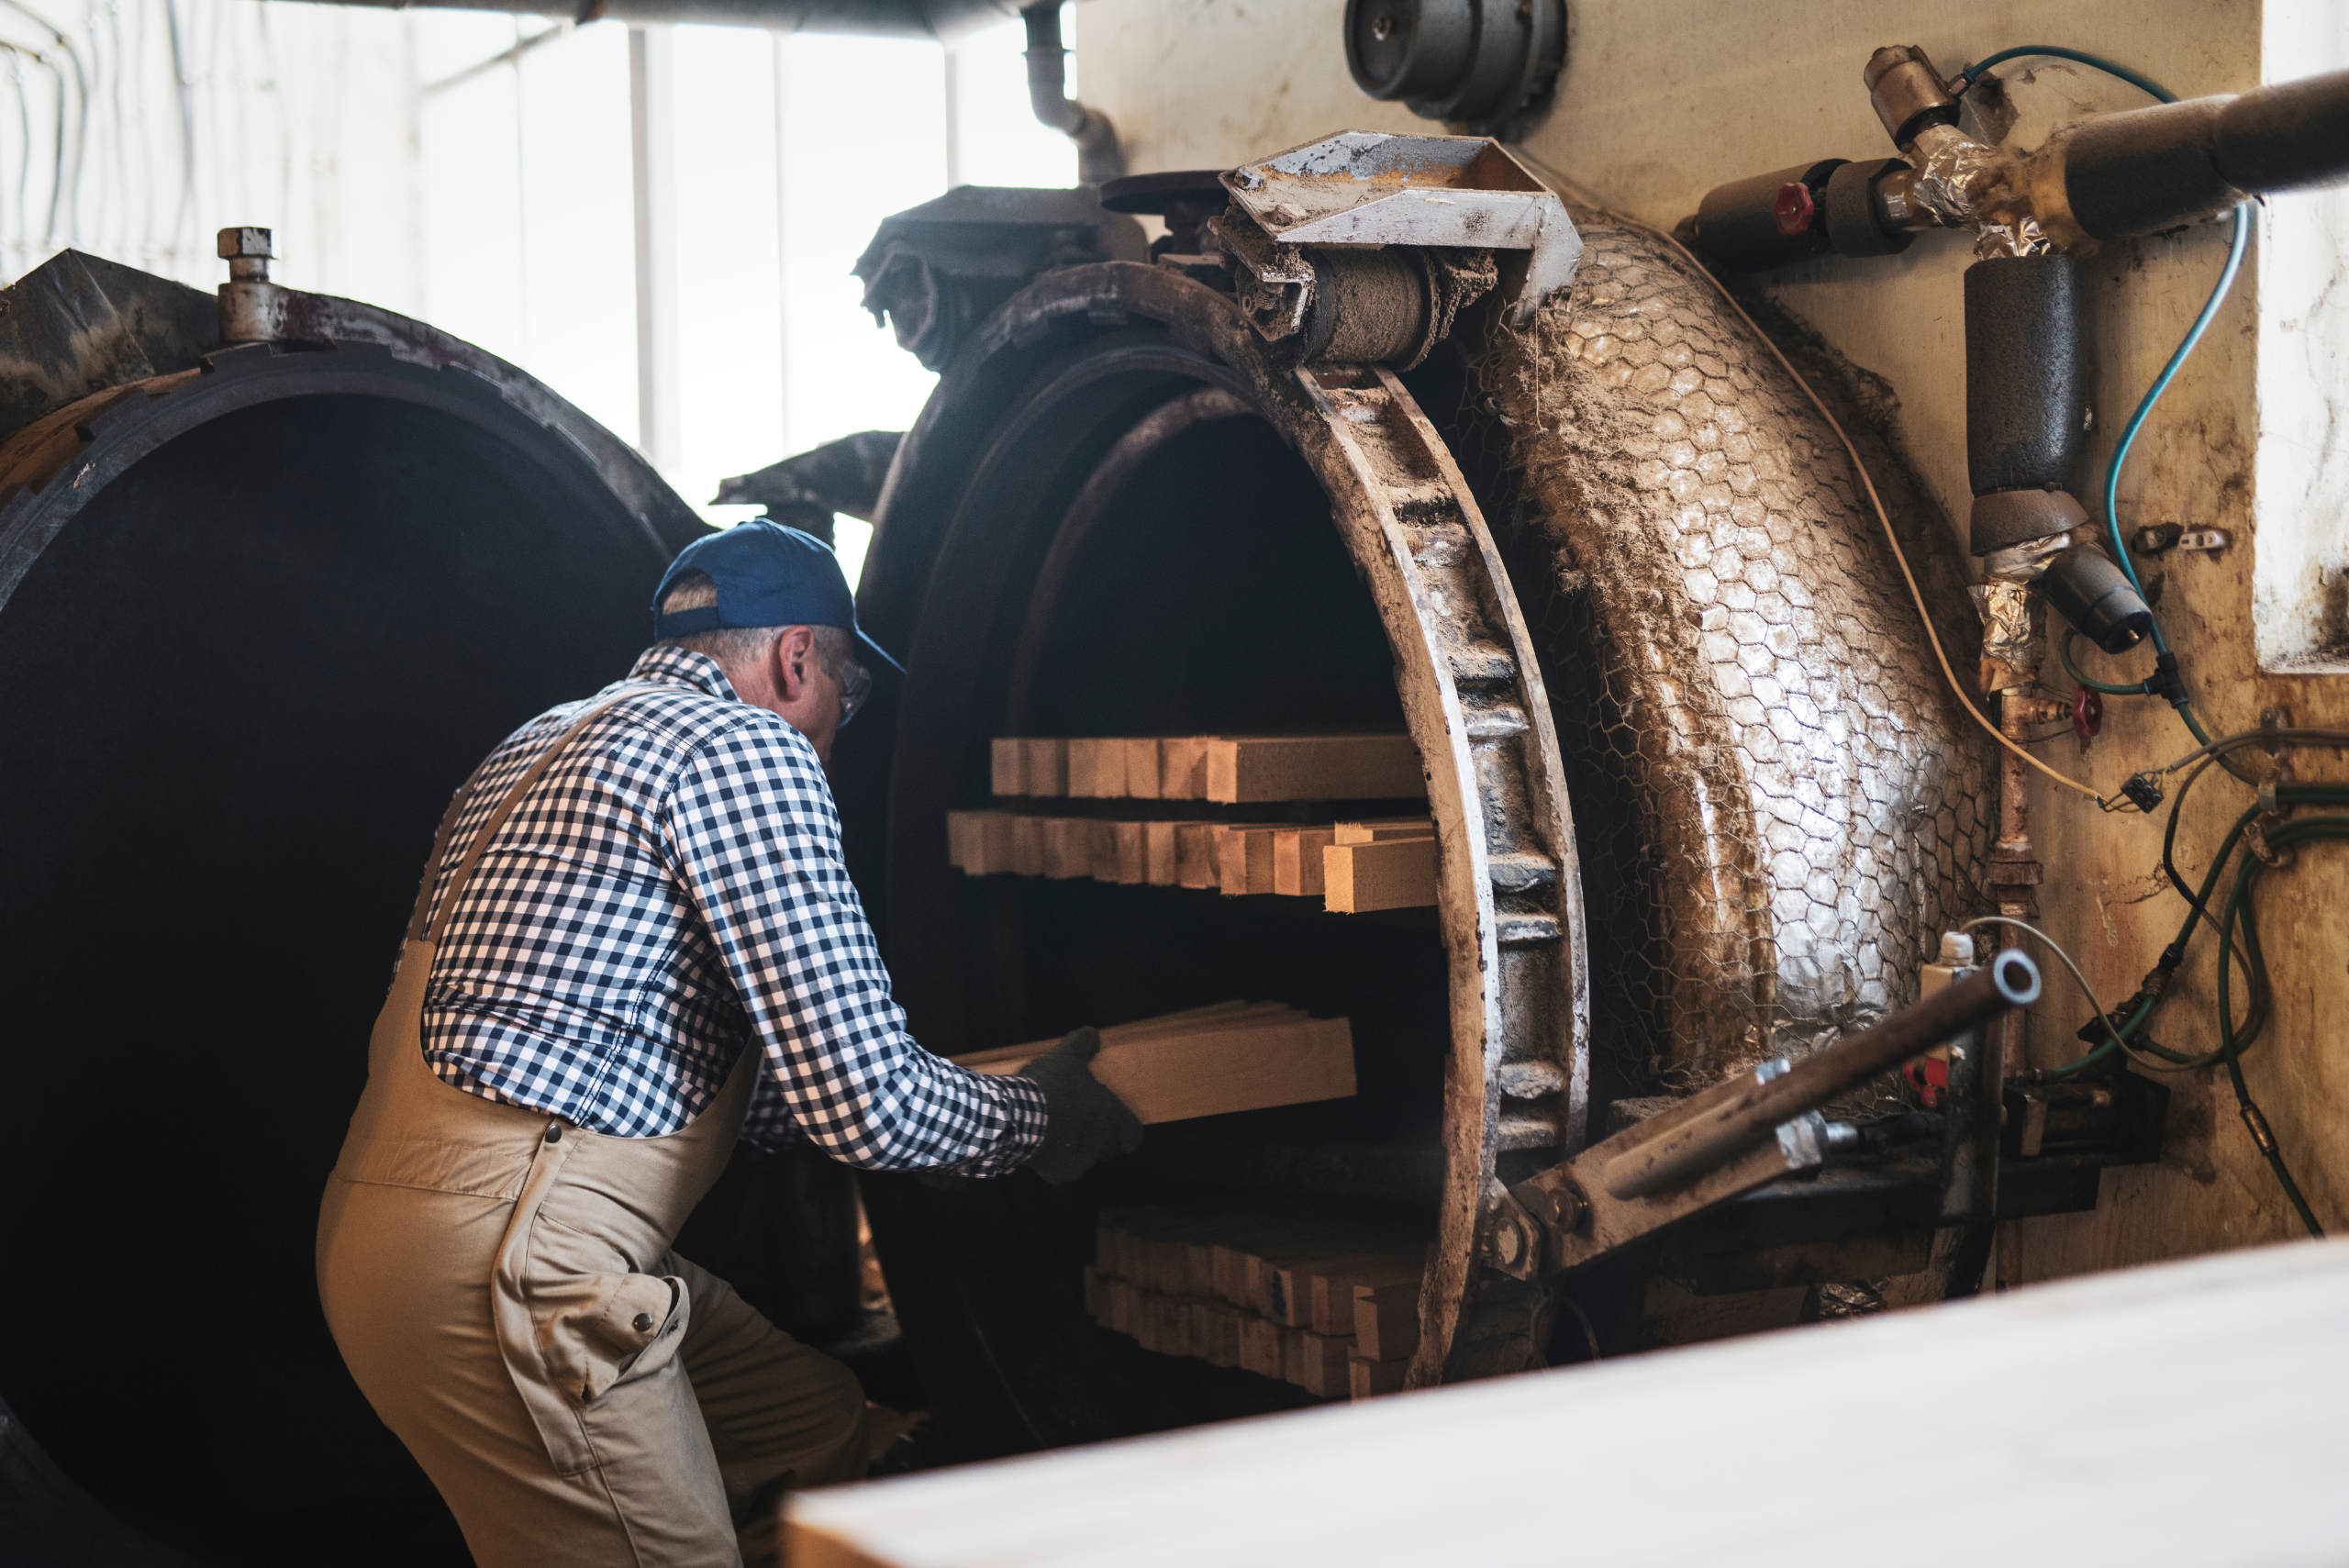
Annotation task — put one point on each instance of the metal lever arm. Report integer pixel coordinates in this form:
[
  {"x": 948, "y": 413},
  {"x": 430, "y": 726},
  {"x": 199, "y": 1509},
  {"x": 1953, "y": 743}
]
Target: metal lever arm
[{"x": 1728, "y": 1139}]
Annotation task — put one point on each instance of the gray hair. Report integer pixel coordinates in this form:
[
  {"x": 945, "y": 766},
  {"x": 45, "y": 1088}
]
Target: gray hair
[{"x": 735, "y": 647}]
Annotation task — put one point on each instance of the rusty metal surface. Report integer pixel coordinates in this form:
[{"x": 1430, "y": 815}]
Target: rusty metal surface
[
  {"x": 1804, "y": 809},
  {"x": 1510, "y": 891},
  {"x": 78, "y": 324},
  {"x": 1516, "y": 1073},
  {"x": 1369, "y": 188}
]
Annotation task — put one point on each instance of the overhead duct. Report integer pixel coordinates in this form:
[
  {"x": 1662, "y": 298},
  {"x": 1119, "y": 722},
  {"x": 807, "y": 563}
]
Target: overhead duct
[{"x": 943, "y": 19}]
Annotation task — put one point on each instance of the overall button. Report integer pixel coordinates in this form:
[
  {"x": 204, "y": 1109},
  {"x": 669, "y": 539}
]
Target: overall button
[
  {"x": 644, "y": 1322},
  {"x": 554, "y": 1133}
]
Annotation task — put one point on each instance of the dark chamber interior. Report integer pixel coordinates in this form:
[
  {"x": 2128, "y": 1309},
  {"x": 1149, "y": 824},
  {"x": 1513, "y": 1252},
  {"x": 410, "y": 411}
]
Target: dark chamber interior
[
  {"x": 1209, "y": 593},
  {"x": 240, "y": 686}
]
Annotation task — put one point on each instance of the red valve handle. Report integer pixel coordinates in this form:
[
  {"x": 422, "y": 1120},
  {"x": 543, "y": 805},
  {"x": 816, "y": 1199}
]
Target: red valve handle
[{"x": 2087, "y": 712}]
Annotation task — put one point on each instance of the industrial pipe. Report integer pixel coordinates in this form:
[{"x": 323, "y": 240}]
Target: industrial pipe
[
  {"x": 2134, "y": 172},
  {"x": 942, "y": 19},
  {"x": 1098, "y": 156},
  {"x": 2151, "y": 169},
  {"x": 1687, "y": 1150}
]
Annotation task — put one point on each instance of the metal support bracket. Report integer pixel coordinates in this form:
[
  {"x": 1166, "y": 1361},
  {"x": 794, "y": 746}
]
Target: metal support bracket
[{"x": 1364, "y": 191}]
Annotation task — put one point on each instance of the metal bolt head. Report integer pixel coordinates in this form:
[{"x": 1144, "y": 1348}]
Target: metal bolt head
[
  {"x": 1382, "y": 27},
  {"x": 1508, "y": 1245},
  {"x": 235, "y": 243}
]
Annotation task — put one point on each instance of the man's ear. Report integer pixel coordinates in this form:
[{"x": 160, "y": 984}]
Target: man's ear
[{"x": 795, "y": 652}]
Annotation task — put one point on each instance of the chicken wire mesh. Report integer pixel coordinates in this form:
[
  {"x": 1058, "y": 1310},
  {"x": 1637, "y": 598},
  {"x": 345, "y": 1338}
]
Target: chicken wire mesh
[{"x": 1778, "y": 805}]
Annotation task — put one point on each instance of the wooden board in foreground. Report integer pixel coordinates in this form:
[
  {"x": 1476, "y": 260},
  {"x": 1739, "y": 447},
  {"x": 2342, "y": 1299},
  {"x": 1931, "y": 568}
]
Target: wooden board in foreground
[
  {"x": 1233, "y": 1057},
  {"x": 2227, "y": 1360}
]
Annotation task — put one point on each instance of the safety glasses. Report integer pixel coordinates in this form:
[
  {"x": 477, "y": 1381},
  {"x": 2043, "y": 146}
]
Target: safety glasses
[{"x": 856, "y": 685}]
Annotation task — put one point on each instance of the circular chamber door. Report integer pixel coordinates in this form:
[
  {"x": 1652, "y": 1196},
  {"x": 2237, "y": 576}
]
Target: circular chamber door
[
  {"x": 258, "y": 618},
  {"x": 1118, "y": 516}
]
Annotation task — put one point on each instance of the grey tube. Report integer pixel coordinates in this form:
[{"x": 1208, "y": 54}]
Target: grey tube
[
  {"x": 2025, "y": 397},
  {"x": 2150, "y": 168},
  {"x": 1098, "y": 156}
]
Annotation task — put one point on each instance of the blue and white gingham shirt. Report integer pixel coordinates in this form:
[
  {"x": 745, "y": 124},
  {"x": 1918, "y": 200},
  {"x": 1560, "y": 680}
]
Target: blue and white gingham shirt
[{"x": 670, "y": 888}]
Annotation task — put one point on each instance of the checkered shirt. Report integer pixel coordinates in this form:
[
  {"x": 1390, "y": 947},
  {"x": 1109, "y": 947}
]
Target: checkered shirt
[{"x": 670, "y": 888}]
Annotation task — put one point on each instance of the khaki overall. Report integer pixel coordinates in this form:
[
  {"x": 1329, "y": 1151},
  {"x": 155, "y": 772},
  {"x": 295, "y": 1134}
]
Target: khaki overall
[{"x": 502, "y": 1288}]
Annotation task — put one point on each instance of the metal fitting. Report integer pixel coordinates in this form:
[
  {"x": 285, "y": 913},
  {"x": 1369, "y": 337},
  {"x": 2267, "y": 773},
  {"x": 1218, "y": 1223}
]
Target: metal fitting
[
  {"x": 1907, "y": 92},
  {"x": 252, "y": 309},
  {"x": 248, "y": 252}
]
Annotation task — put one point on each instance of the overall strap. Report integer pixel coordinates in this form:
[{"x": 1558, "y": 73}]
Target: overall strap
[{"x": 417, "y": 930}]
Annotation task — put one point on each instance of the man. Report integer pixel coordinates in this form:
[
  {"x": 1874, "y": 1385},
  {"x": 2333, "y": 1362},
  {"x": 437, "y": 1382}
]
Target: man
[{"x": 635, "y": 939}]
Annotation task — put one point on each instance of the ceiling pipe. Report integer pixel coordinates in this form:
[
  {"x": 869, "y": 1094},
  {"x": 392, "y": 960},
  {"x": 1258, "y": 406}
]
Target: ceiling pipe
[{"x": 945, "y": 20}]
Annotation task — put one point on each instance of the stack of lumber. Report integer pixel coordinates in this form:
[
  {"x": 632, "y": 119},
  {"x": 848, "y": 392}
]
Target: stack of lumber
[
  {"x": 1305, "y": 1297},
  {"x": 1233, "y": 769},
  {"x": 1234, "y": 1056},
  {"x": 1354, "y": 866}
]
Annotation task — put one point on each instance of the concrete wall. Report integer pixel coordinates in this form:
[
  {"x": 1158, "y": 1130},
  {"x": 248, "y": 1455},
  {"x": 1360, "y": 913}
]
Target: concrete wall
[{"x": 1662, "y": 99}]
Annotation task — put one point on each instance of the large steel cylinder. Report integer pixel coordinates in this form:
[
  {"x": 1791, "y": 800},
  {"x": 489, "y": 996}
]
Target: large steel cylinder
[
  {"x": 1116, "y": 517},
  {"x": 260, "y": 610}
]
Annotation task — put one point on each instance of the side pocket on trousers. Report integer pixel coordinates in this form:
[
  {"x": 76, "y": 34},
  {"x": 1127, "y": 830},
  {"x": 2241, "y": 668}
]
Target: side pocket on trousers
[{"x": 598, "y": 1331}]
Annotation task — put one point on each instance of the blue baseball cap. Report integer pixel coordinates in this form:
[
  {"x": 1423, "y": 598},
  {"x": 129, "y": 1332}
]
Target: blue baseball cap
[{"x": 766, "y": 575}]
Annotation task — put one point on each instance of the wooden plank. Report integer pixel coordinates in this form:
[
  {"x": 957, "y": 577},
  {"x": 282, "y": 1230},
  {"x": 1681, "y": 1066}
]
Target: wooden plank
[
  {"x": 1243, "y": 1244},
  {"x": 1008, "y": 766},
  {"x": 1171, "y": 1318},
  {"x": 996, "y": 852},
  {"x": 2239, "y": 1345},
  {"x": 1195, "y": 862},
  {"x": 1367, "y": 1379},
  {"x": 1028, "y": 845},
  {"x": 1131, "y": 865},
  {"x": 1293, "y": 1356},
  {"x": 1386, "y": 1320},
  {"x": 1379, "y": 828},
  {"x": 1397, "y": 873},
  {"x": 1195, "y": 1020},
  {"x": 1096, "y": 768},
  {"x": 1243, "y": 857},
  {"x": 1281, "y": 1277},
  {"x": 1068, "y": 847},
  {"x": 1105, "y": 849},
  {"x": 1143, "y": 764},
  {"x": 1259, "y": 1347},
  {"x": 979, "y": 842},
  {"x": 1177, "y": 1077},
  {"x": 1158, "y": 853},
  {"x": 1183, "y": 767},
  {"x": 1124, "y": 1298},
  {"x": 1312, "y": 767},
  {"x": 1326, "y": 1356},
  {"x": 1296, "y": 861},
  {"x": 1334, "y": 1285},
  {"x": 1043, "y": 765}
]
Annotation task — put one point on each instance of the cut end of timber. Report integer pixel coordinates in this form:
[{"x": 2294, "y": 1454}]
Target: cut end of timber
[
  {"x": 1386, "y": 874},
  {"x": 1235, "y": 1056}
]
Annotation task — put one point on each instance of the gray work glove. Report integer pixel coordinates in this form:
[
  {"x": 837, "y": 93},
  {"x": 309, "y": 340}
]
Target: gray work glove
[{"x": 1084, "y": 1122}]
